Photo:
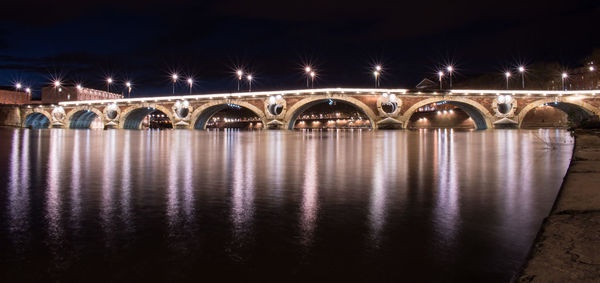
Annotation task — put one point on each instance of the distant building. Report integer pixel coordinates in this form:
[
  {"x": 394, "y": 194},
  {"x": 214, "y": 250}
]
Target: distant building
[
  {"x": 427, "y": 84},
  {"x": 10, "y": 96},
  {"x": 51, "y": 94},
  {"x": 583, "y": 78}
]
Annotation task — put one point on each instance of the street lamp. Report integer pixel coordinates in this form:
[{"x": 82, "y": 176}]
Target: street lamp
[
  {"x": 450, "y": 70},
  {"x": 312, "y": 79},
  {"x": 109, "y": 81},
  {"x": 377, "y": 73},
  {"x": 564, "y": 77},
  {"x": 28, "y": 91},
  {"x": 128, "y": 85},
  {"x": 440, "y": 75},
  {"x": 592, "y": 69},
  {"x": 249, "y": 78},
  {"x": 522, "y": 71},
  {"x": 239, "y": 74},
  {"x": 507, "y": 75},
  {"x": 307, "y": 71},
  {"x": 190, "y": 82},
  {"x": 174, "y": 77},
  {"x": 18, "y": 87}
]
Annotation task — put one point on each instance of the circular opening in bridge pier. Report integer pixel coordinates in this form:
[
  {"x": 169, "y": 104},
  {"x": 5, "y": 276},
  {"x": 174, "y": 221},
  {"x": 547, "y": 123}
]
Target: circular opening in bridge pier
[
  {"x": 443, "y": 114},
  {"x": 85, "y": 119},
  {"x": 228, "y": 116},
  {"x": 330, "y": 114},
  {"x": 37, "y": 121},
  {"x": 147, "y": 118},
  {"x": 555, "y": 115}
]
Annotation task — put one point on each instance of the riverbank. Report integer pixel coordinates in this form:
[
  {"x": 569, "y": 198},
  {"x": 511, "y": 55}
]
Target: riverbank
[{"x": 567, "y": 247}]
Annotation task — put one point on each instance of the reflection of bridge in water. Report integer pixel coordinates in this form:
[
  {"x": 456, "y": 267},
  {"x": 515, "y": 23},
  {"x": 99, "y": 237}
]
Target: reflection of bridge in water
[{"x": 373, "y": 108}]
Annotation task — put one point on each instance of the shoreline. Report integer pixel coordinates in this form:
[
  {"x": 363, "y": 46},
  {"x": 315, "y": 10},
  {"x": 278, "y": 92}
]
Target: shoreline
[{"x": 567, "y": 246}]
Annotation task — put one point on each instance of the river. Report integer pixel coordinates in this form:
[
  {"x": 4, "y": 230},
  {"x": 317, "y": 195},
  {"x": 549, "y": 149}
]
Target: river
[{"x": 343, "y": 205}]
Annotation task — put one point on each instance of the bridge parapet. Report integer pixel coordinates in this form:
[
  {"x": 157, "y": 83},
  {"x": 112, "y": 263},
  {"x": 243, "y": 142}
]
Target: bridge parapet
[{"x": 279, "y": 109}]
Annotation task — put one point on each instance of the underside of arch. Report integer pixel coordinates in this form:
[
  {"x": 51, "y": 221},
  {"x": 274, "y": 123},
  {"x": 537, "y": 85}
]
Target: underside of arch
[
  {"x": 206, "y": 114},
  {"x": 479, "y": 118},
  {"x": 575, "y": 113},
  {"x": 37, "y": 121},
  {"x": 306, "y": 106},
  {"x": 134, "y": 119},
  {"x": 82, "y": 119}
]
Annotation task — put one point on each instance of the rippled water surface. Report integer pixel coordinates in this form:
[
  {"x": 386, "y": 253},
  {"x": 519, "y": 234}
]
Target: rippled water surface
[{"x": 93, "y": 205}]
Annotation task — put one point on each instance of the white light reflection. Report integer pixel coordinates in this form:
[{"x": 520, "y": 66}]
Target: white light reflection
[
  {"x": 53, "y": 202},
  {"x": 76, "y": 182},
  {"x": 309, "y": 193},
  {"x": 107, "y": 207},
  {"x": 243, "y": 187},
  {"x": 385, "y": 166},
  {"x": 446, "y": 210},
  {"x": 126, "y": 209},
  {"x": 18, "y": 192}
]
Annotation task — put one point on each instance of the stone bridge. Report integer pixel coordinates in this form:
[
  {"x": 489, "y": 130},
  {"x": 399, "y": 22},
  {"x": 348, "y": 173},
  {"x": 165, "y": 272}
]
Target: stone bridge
[{"x": 384, "y": 108}]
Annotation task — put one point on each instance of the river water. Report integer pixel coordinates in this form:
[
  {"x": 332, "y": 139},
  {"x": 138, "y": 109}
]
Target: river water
[{"x": 176, "y": 205}]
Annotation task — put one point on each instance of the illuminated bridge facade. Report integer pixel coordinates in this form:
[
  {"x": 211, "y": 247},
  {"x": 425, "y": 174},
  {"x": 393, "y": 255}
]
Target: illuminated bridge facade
[{"x": 378, "y": 108}]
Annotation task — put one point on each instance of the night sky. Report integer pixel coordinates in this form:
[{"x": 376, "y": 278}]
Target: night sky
[{"x": 85, "y": 41}]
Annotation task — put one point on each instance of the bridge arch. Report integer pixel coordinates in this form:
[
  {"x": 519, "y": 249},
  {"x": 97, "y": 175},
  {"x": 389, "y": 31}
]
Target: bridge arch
[
  {"x": 299, "y": 107},
  {"x": 202, "y": 114},
  {"x": 132, "y": 117},
  {"x": 568, "y": 105},
  {"x": 82, "y": 117},
  {"x": 38, "y": 119},
  {"x": 480, "y": 115}
]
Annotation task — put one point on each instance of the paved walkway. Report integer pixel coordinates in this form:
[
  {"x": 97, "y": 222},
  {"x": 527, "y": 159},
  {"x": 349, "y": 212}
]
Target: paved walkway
[{"x": 568, "y": 246}]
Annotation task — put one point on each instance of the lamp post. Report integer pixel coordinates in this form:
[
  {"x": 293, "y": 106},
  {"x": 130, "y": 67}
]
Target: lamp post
[
  {"x": 18, "y": 87},
  {"x": 239, "y": 74},
  {"x": 128, "y": 85},
  {"x": 249, "y": 78},
  {"x": 564, "y": 77},
  {"x": 190, "y": 82},
  {"x": 440, "y": 75},
  {"x": 312, "y": 79},
  {"x": 28, "y": 91},
  {"x": 174, "y": 77},
  {"x": 507, "y": 75},
  {"x": 592, "y": 69},
  {"x": 377, "y": 73},
  {"x": 450, "y": 70},
  {"x": 109, "y": 81},
  {"x": 522, "y": 71},
  {"x": 79, "y": 87},
  {"x": 308, "y": 71}
]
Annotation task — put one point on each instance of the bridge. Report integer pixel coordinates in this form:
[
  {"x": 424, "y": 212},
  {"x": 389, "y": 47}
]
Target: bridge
[{"x": 381, "y": 108}]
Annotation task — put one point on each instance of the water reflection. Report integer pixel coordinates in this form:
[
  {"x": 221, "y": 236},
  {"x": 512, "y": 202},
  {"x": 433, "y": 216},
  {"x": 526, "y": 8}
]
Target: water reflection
[
  {"x": 232, "y": 201},
  {"x": 309, "y": 192}
]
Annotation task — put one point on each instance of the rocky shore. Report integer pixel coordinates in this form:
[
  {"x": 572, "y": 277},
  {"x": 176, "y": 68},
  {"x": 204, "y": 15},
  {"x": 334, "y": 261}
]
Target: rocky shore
[{"x": 567, "y": 248}]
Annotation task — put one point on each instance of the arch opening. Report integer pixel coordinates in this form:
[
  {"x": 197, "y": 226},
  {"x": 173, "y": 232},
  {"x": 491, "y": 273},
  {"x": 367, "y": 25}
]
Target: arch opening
[
  {"x": 228, "y": 116},
  {"x": 147, "y": 118},
  {"x": 37, "y": 121},
  {"x": 447, "y": 114},
  {"x": 555, "y": 115},
  {"x": 329, "y": 114},
  {"x": 85, "y": 119}
]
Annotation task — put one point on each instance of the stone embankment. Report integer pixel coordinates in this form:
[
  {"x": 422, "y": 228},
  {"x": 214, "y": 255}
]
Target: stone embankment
[{"x": 567, "y": 248}]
